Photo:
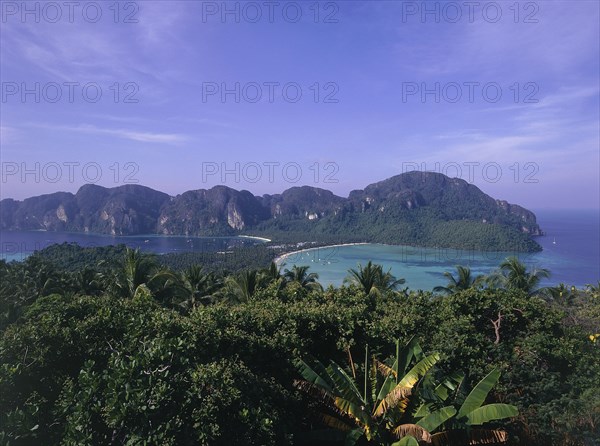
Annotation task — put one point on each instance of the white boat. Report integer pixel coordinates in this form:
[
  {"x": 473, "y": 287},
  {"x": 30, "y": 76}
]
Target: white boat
[{"x": 554, "y": 241}]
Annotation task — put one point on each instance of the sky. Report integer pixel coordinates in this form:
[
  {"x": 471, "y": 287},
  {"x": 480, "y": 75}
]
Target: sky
[{"x": 265, "y": 96}]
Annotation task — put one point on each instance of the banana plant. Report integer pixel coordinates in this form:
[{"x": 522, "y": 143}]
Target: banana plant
[
  {"x": 377, "y": 412},
  {"x": 402, "y": 404},
  {"x": 462, "y": 426}
]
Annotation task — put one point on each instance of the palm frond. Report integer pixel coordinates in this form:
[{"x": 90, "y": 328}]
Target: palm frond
[
  {"x": 353, "y": 410},
  {"x": 407, "y": 441},
  {"x": 316, "y": 392},
  {"x": 344, "y": 384}
]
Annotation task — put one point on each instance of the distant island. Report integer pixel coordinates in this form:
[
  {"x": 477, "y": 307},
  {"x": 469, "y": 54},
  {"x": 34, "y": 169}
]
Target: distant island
[{"x": 415, "y": 208}]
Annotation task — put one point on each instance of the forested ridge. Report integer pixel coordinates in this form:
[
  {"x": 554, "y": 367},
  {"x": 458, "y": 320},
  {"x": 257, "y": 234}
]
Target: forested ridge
[
  {"x": 414, "y": 208},
  {"x": 111, "y": 346}
]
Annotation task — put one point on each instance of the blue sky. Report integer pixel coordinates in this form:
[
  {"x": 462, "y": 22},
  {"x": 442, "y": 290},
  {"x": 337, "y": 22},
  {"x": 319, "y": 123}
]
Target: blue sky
[{"x": 384, "y": 88}]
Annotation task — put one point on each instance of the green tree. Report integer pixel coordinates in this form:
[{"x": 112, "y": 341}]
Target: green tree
[
  {"x": 199, "y": 287},
  {"x": 463, "y": 281},
  {"x": 513, "y": 274},
  {"x": 241, "y": 287},
  {"x": 272, "y": 273},
  {"x": 593, "y": 290},
  {"x": 372, "y": 280},
  {"x": 402, "y": 402},
  {"x": 561, "y": 292},
  {"x": 300, "y": 275},
  {"x": 22, "y": 283},
  {"x": 88, "y": 282},
  {"x": 103, "y": 370},
  {"x": 136, "y": 269}
]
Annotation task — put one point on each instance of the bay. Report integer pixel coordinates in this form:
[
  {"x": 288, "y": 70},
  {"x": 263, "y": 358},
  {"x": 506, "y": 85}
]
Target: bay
[
  {"x": 17, "y": 245},
  {"x": 571, "y": 251}
]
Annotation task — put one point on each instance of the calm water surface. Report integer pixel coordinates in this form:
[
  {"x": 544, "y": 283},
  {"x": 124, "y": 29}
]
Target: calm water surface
[
  {"x": 571, "y": 252},
  {"x": 17, "y": 245}
]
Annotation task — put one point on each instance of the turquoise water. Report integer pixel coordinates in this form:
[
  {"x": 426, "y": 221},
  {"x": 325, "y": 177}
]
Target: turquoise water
[{"x": 574, "y": 259}]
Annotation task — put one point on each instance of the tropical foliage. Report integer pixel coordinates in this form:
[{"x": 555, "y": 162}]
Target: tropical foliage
[
  {"x": 463, "y": 281},
  {"x": 514, "y": 274},
  {"x": 403, "y": 403},
  {"x": 122, "y": 349},
  {"x": 301, "y": 276},
  {"x": 372, "y": 280}
]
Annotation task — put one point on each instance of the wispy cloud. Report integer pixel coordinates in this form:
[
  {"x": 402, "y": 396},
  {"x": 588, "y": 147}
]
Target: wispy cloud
[
  {"x": 488, "y": 51},
  {"x": 552, "y": 131},
  {"x": 133, "y": 135},
  {"x": 171, "y": 52},
  {"x": 8, "y": 135},
  {"x": 127, "y": 134},
  {"x": 82, "y": 51},
  {"x": 491, "y": 147},
  {"x": 209, "y": 122}
]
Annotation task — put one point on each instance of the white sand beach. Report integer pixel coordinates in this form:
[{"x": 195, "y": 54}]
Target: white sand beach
[
  {"x": 282, "y": 257},
  {"x": 256, "y": 238}
]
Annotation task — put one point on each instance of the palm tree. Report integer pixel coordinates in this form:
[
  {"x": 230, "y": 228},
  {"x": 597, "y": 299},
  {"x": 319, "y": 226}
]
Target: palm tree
[
  {"x": 593, "y": 290},
  {"x": 562, "y": 293},
  {"x": 272, "y": 273},
  {"x": 137, "y": 269},
  {"x": 165, "y": 286},
  {"x": 300, "y": 274},
  {"x": 41, "y": 278},
  {"x": 463, "y": 281},
  {"x": 242, "y": 287},
  {"x": 372, "y": 279},
  {"x": 513, "y": 274},
  {"x": 88, "y": 282},
  {"x": 198, "y": 286},
  {"x": 374, "y": 409},
  {"x": 31, "y": 279}
]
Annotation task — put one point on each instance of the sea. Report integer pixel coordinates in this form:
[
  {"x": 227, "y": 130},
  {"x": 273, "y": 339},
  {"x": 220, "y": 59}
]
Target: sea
[
  {"x": 18, "y": 245},
  {"x": 571, "y": 251}
]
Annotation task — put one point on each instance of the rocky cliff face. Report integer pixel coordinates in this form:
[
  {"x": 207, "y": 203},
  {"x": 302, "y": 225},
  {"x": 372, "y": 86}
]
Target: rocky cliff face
[
  {"x": 122, "y": 210},
  {"x": 134, "y": 209},
  {"x": 54, "y": 212},
  {"x": 220, "y": 210},
  {"x": 527, "y": 219},
  {"x": 303, "y": 202}
]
